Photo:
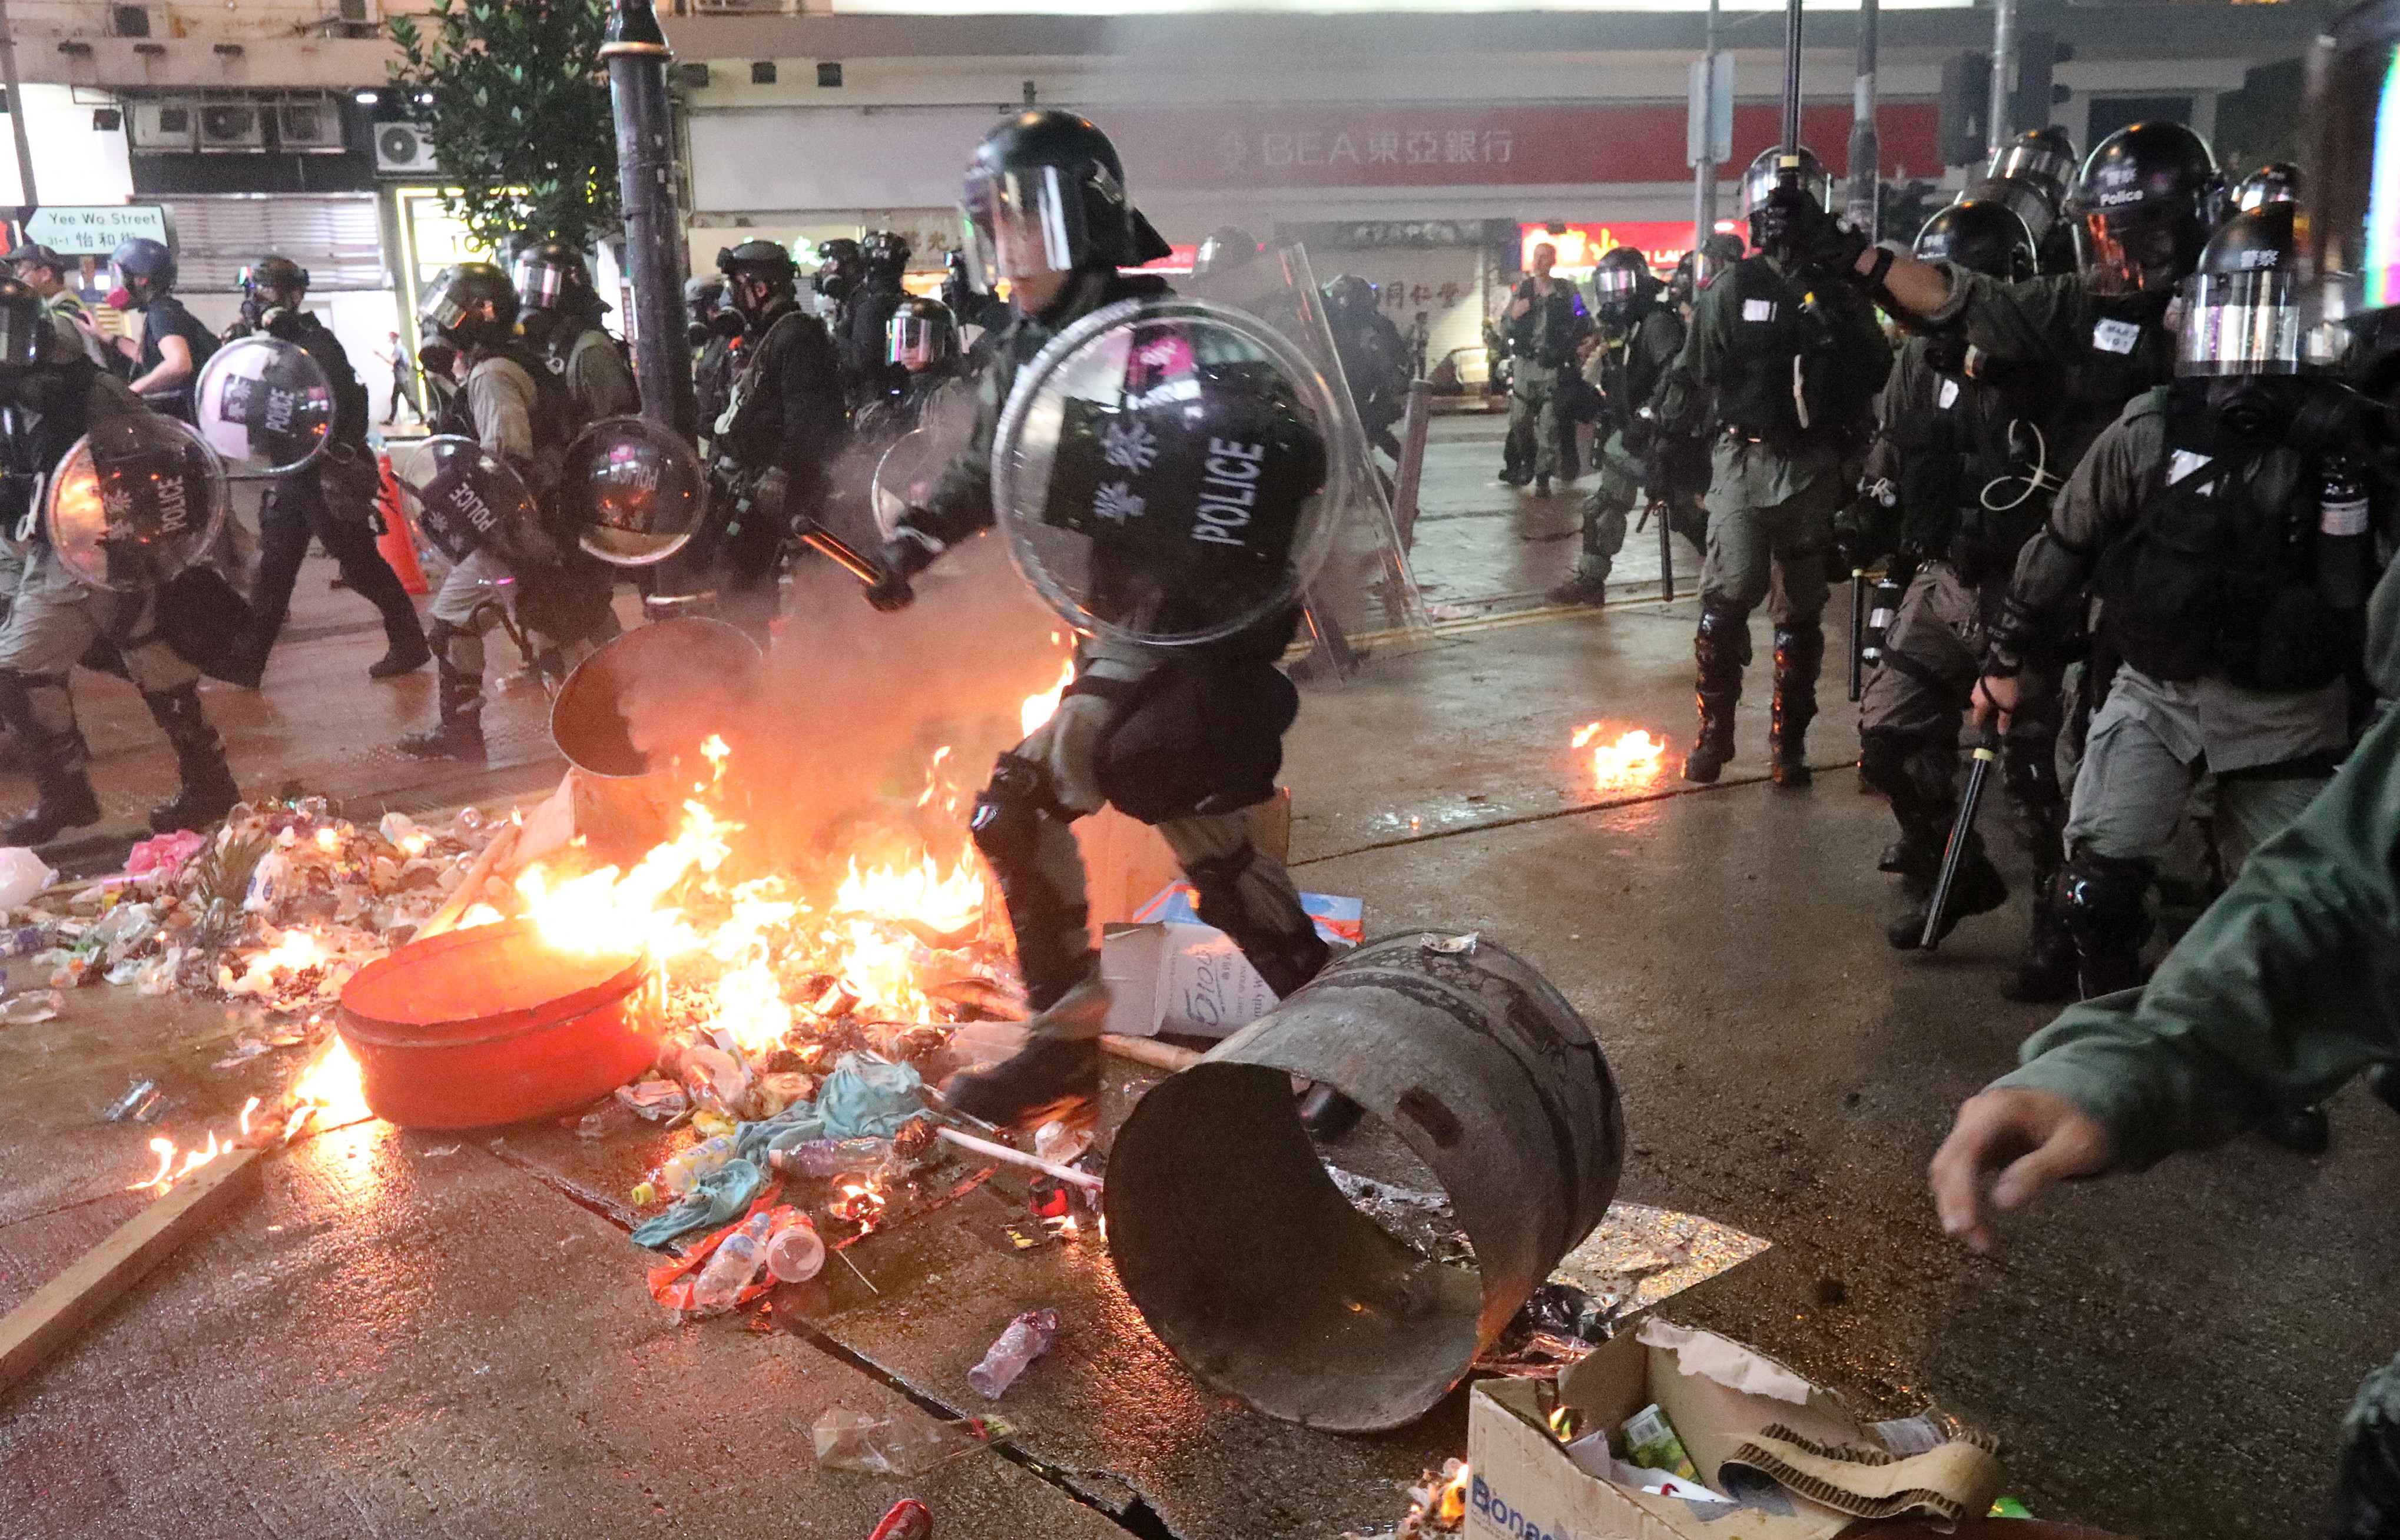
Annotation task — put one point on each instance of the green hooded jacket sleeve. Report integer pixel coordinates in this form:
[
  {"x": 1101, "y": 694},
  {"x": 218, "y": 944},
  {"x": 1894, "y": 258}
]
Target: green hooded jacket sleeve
[{"x": 2269, "y": 1003}]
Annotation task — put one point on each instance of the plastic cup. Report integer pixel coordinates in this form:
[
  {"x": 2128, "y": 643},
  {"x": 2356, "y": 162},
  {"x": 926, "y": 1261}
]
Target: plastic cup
[{"x": 795, "y": 1253}]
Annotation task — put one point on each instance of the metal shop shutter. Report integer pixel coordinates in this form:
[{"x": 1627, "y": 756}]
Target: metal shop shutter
[{"x": 337, "y": 237}]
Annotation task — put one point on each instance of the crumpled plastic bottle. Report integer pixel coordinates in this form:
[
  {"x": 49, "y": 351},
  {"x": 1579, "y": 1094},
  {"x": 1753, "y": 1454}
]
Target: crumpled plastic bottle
[
  {"x": 833, "y": 1157},
  {"x": 909, "y": 1444},
  {"x": 1028, "y": 1338},
  {"x": 683, "y": 1170},
  {"x": 732, "y": 1267}
]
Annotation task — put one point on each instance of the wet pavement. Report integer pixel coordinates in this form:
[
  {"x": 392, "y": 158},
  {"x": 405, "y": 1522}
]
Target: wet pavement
[{"x": 402, "y": 1333}]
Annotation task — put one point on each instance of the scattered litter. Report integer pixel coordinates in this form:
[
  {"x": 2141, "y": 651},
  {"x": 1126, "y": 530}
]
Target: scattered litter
[
  {"x": 32, "y": 1005},
  {"x": 796, "y": 1252},
  {"x": 141, "y": 1103},
  {"x": 23, "y": 875},
  {"x": 903, "y": 1444},
  {"x": 659, "y": 1100},
  {"x": 437, "y": 1150},
  {"x": 1454, "y": 945},
  {"x": 1422, "y": 1221},
  {"x": 1028, "y": 1338},
  {"x": 906, "y": 1519}
]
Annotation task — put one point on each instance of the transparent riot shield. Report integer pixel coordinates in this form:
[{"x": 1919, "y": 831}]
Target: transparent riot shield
[
  {"x": 462, "y": 497},
  {"x": 1162, "y": 472},
  {"x": 264, "y": 405},
  {"x": 138, "y": 498},
  {"x": 1366, "y": 591},
  {"x": 636, "y": 492},
  {"x": 910, "y": 471}
]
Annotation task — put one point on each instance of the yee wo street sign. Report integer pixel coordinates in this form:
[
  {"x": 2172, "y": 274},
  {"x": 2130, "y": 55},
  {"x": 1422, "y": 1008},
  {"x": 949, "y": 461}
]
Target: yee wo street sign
[{"x": 94, "y": 230}]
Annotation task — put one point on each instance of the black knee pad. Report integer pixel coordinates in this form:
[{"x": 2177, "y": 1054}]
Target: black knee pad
[
  {"x": 2099, "y": 899},
  {"x": 1215, "y": 883},
  {"x": 1723, "y": 640},
  {"x": 1009, "y": 811}
]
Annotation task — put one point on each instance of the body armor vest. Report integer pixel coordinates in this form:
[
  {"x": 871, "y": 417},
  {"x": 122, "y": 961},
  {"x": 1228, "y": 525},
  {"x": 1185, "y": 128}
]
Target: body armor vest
[
  {"x": 1789, "y": 374},
  {"x": 2218, "y": 572},
  {"x": 2127, "y": 351}
]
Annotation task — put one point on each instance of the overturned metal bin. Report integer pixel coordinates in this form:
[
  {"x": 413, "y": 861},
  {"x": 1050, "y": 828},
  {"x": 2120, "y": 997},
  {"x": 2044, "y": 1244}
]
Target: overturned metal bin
[{"x": 1250, "y": 1265}]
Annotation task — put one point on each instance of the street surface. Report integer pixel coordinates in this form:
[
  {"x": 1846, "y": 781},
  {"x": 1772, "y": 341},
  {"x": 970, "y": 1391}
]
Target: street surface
[{"x": 415, "y": 1334}]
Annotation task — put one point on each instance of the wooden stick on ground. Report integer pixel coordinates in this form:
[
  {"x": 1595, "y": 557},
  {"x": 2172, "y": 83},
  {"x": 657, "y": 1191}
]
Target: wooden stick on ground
[
  {"x": 1158, "y": 1055},
  {"x": 453, "y": 907},
  {"x": 62, "y": 1307}
]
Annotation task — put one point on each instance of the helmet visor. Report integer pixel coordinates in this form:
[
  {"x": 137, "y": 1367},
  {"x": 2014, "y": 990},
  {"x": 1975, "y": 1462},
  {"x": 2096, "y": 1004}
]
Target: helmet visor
[
  {"x": 916, "y": 342},
  {"x": 1025, "y": 222},
  {"x": 2138, "y": 248},
  {"x": 445, "y": 308},
  {"x": 538, "y": 282},
  {"x": 2240, "y": 323},
  {"x": 1617, "y": 282},
  {"x": 2035, "y": 163}
]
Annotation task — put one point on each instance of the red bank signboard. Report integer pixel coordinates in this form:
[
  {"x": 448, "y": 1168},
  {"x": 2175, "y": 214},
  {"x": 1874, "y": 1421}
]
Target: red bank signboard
[{"x": 1377, "y": 145}]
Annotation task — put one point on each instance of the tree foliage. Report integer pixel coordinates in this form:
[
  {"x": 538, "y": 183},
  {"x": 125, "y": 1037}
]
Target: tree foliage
[{"x": 519, "y": 115}]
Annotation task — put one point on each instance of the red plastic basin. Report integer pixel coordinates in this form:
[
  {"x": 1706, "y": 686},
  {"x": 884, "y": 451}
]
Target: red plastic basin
[{"x": 490, "y": 1024}]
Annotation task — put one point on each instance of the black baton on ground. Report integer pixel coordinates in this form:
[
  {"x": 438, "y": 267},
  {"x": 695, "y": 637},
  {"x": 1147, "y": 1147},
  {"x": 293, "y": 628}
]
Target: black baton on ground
[
  {"x": 1857, "y": 631},
  {"x": 1962, "y": 829}
]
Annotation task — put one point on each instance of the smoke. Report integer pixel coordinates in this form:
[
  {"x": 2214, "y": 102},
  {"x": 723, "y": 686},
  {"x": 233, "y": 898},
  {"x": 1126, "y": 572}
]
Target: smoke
[{"x": 838, "y": 752}]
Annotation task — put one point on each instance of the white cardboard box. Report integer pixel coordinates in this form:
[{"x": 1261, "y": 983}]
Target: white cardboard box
[{"x": 1170, "y": 978}]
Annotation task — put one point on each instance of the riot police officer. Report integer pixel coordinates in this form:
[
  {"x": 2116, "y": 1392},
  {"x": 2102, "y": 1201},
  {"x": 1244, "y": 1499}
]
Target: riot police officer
[
  {"x": 518, "y": 411},
  {"x": 715, "y": 330},
  {"x": 333, "y": 501},
  {"x": 54, "y": 395},
  {"x": 1957, "y": 481},
  {"x": 920, "y": 347},
  {"x": 2031, "y": 176},
  {"x": 1543, "y": 324},
  {"x": 174, "y": 343},
  {"x": 1146, "y": 729},
  {"x": 1374, "y": 357},
  {"x": 2276, "y": 182},
  {"x": 1791, "y": 363},
  {"x": 1641, "y": 337},
  {"x": 2224, "y": 523},
  {"x": 561, "y": 321},
  {"x": 780, "y": 432},
  {"x": 866, "y": 311}
]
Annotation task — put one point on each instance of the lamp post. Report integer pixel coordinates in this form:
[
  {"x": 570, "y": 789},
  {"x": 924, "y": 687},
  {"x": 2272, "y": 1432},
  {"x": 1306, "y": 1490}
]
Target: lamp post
[{"x": 637, "y": 55}]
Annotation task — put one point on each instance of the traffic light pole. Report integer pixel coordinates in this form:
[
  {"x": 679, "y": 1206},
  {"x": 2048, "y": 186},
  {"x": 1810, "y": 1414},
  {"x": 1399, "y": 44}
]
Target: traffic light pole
[
  {"x": 2004, "y": 69},
  {"x": 1704, "y": 178}
]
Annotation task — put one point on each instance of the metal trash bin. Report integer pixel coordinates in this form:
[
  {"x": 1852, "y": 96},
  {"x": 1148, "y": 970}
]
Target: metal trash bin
[{"x": 1250, "y": 1265}]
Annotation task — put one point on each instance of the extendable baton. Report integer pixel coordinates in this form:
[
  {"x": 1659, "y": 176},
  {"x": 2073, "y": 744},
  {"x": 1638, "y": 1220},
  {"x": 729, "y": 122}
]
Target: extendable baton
[{"x": 1962, "y": 829}]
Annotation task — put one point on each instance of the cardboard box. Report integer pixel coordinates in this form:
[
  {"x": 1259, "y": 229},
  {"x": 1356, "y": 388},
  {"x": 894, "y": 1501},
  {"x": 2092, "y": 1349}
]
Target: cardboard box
[
  {"x": 1342, "y": 921},
  {"x": 1730, "y": 1406},
  {"x": 1179, "y": 979}
]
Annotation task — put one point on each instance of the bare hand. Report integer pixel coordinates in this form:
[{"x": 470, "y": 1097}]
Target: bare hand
[
  {"x": 2041, "y": 1136},
  {"x": 1995, "y": 696},
  {"x": 1518, "y": 308}
]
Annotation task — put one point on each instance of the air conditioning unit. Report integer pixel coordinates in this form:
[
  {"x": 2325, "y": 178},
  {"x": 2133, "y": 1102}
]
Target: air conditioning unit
[
  {"x": 232, "y": 128},
  {"x": 309, "y": 126},
  {"x": 356, "y": 11},
  {"x": 169, "y": 127},
  {"x": 404, "y": 149}
]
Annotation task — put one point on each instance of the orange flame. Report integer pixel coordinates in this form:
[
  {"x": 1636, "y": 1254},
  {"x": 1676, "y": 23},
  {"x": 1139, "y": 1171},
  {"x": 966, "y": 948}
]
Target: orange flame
[
  {"x": 1631, "y": 761},
  {"x": 1038, "y": 709}
]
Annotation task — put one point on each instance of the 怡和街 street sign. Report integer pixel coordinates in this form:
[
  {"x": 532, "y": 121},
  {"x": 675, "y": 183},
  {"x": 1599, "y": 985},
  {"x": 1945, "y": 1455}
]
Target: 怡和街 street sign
[{"x": 95, "y": 230}]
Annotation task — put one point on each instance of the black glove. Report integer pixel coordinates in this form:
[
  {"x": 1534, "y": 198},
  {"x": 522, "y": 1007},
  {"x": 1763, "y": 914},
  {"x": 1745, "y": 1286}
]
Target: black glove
[
  {"x": 890, "y": 593},
  {"x": 1853, "y": 540},
  {"x": 903, "y": 556}
]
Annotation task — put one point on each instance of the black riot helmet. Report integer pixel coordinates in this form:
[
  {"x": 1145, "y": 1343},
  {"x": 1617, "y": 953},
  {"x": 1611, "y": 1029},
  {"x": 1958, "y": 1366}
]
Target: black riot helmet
[
  {"x": 1983, "y": 236},
  {"x": 2142, "y": 207},
  {"x": 24, "y": 322},
  {"x": 922, "y": 334},
  {"x": 1684, "y": 281},
  {"x": 755, "y": 262},
  {"x": 841, "y": 266},
  {"x": 144, "y": 268},
  {"x": 1621, "y": 281},
  {"x": 1770, "y": 171},
  {"x": 2242, "y": 308},
  {"x": 2040, "y": 159},
  {"x": 470, "y": 304},
  {"x": 2035, "y": 209},
  {"x": 554, "y": 276},
  {"x": 2276, "y": 182},
  {"x": 1350, "y": 297},
  {"x": 1045, "y": 193},
  {"x": 1227, "y": 248},
  {"x": 275, "y": 281},
  {"x": 885, "y": 254}
]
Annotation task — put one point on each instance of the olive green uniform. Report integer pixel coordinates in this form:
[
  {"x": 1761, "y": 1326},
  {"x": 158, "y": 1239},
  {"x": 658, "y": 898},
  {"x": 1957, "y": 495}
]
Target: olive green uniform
[
  {"x": 1636, "y": 365},
  {"x": 1542, "y": 341}
]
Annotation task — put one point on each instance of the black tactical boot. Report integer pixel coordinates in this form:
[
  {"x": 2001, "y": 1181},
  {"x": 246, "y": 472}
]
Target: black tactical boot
[
  {"x": 58, "y": 757},
  {"x": 2045, "y": 973},
  {"x": 459, "y": 733},
  {"x": 1720, "y": 649},
  {"x": 1978, "y": 889},
  {"x": 2304, "y": 1132},
  {"x": 1580, "y": 590},
  {"x": 405, "y": 655},
  {"x": 1798, "y": 655},
  {"x": 208, "y": 792},
  {"x": 1056, "y": 1075}
]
